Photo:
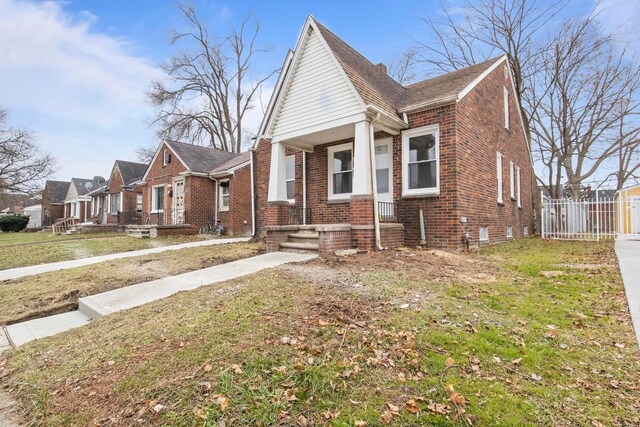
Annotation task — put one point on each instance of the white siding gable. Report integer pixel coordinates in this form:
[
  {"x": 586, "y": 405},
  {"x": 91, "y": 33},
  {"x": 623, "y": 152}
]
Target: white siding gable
[{"x": 317, "y": 91}]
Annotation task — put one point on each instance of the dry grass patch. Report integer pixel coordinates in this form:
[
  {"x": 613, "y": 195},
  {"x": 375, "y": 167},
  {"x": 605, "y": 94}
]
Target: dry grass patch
[
  {"x": 399, "y": 338},
  {"x": 59, "y": 291}
]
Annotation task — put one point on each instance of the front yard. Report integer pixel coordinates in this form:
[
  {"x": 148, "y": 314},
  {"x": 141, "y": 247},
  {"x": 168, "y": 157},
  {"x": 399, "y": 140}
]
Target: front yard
[
  {"x": 23, "y": 249},
  {"x": 56, "y": 292},
  {"x": 525, "y": 333}
]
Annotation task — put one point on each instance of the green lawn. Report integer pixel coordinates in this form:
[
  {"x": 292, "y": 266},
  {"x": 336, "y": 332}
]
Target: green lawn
[
  {"x": 23, "y": 249},
  {"x": 401, "y": 338}
]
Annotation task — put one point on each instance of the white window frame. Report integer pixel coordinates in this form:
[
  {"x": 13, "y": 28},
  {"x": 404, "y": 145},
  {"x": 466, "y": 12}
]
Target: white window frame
[
  {"x": 221, "y": 195},
  {"x": 512, "y": 179},
  {"x": 330, "y": 172},
  {"x": 165, "y": 157},
  {"x": 525, "y": 230},
  {"x": 506, "y": 107},
  {"x": 406, "y": 135},
  {"x": 154, "y": 199},
  {"x": 119, "y": 203},
  {"x": 499, "y": 176},
  {"x": 139, "y": 195},
  {"x": 518, "y": 183},
  {"x": 509, "y": 232},
  {"x": 289, "y": 158},
  {"x": 482, "y": 238}
]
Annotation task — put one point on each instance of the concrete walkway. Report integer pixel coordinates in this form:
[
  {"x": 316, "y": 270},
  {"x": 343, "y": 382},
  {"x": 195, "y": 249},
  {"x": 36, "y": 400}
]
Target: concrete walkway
[
  {"x": 96, "y": 306},
  {"x": 15, "y": 273},
  {"x": 628, "y": 252}
]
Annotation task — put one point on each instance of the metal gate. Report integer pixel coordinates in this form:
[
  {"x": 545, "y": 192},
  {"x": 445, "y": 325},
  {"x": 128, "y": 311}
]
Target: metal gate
[{"x": 596, "y": 219}]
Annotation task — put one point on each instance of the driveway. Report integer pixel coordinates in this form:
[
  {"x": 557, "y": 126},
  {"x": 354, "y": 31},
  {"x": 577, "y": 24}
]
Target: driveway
[{"x": 628, "y": 252}]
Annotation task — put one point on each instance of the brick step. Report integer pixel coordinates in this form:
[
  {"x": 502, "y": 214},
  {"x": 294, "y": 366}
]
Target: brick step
[
  {"x": 305, "y": 235},
  {"x": 138, "y": 232},
  {"x": 307, "y": 227},
  {"x": 300, "y": 246}
]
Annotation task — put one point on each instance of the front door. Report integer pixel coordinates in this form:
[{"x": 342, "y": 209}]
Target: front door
[
  {"x": 178, "y": 201},
  {"x": 384, "y": 177}
]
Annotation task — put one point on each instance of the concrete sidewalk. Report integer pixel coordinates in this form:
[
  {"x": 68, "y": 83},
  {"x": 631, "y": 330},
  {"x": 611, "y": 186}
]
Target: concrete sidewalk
[
  {"x": 15, "y": 273},
  {"x": 96, "y": 306},
  {"x": 628, "y": 252}
]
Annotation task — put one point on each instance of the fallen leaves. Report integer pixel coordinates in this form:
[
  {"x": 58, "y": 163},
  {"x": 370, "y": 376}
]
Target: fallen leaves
[
  {"x": 222, "y": 401},
  {"x": 455, "y": 397}
]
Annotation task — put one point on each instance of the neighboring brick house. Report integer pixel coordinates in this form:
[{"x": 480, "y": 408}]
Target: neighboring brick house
[
  {"x": 233, "y": 199},
  {"x": 448, "y": 156},
  {"x": 99, "y": 202},
  {"x": 77, "y": 202},
  {"x": 123, "y": 198},
  {"x": 53, "y": 196},
  {"x": 178, "y": 187}
]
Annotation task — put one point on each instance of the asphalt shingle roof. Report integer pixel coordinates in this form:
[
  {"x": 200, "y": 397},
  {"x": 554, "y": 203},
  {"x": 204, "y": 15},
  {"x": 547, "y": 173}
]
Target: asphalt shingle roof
[
  {"x": 200, "y": 159},
  {"x": 84, "y": 186},
  {"x": 56, "y": 190},
  {"x": 376, "y": 87},
  {"x": 238, "y": 160},
  {"x": 131, "y": 171}
]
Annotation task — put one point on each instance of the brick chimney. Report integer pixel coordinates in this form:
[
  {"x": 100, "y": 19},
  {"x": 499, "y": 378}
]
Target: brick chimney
[{"x": 382, "y": 67}]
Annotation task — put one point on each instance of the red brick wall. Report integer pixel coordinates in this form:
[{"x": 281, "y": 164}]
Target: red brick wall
[
  {"x": 237, "y": 220},
  {"x": 199, "y": 200},
  {"x": 480, "y": 134},
  {"x": 161, "y": 175}
]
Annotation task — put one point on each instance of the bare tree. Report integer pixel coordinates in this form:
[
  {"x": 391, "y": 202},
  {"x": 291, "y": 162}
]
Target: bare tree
[
  {"x": 145, "y": 153},
  {"x": 483, "y": 29},
  {"x": 402, "y": 69},
  {"x": 586, "y": 107},
  {"x": 22, "y": 166},
  {"x": 209, "y": 88}
]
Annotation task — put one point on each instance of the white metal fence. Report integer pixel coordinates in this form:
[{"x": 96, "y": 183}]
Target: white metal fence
[{"x": 596, "y": 219}]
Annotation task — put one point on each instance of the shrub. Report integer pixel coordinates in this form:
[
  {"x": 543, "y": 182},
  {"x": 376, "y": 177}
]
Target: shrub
[{"x": 13, "y": 223}]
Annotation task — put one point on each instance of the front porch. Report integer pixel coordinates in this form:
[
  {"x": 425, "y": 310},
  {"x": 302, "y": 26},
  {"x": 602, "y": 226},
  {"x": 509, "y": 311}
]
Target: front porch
[{"x": 328, "y": 238}]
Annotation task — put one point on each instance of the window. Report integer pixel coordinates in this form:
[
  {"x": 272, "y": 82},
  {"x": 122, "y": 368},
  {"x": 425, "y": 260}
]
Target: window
[
  {"x": 519, "y": 199},
  {"x": 512, "y": 181},
  {"x": 499, "y": 175},
  {"x": 483, "y": 234},
  {"x": 291, "y": 178},
  {"x": 224, "y": 196},
  {"x": 340, "y": 171},
  {"x": 166, "y": 158},
  {"x": 420, "y": 161},
  {"x": 157, "y": 199},
  {"x": 95, "y": 205},
  {"x": 525, "y": 231},
  {"x": 139, "y": 202},
  {"x": 114, "y": 203},
  {"x": 506, "y": 108},
  {"x": 74, "y": 209},
  {"x": 509, "y": 232}
]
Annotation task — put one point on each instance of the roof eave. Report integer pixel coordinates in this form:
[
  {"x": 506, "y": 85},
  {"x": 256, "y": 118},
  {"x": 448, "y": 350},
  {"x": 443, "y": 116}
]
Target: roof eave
[{"x": 428, "y": 104}]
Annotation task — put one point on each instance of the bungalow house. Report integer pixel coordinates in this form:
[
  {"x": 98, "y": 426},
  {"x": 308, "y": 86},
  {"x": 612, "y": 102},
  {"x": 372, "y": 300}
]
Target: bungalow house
[
  {"x": 53, "y": 196},
  {"x": 77, "y": 203},
  {"x": 194, "y": 185},
  {"x": 447, "y": 157},
  {"x": 123, "y": 204},
  {"x": 99, "y": 203}
]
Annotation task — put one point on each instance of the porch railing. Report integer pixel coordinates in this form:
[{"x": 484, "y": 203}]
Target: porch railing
[
  {"x": 388, "y": 211},
  {"x": 173, "y": 217},
  {"x": 130, "y": 218},
  {"x": 294, "y": 215}
]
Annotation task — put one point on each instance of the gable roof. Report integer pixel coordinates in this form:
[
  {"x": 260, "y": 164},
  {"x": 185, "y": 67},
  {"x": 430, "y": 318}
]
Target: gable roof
[
  {"x": 56, "y": 190},
  {"x": 446, "y": 87},
  {"x": 226, "y": 167},
  {"x": 197, "y": 158},
  {"x": 99, "y": 191},
  {"x": 131, "y": 171},
  {"x": 84, "y": 186},
  {"x": 372, "y": 84}
]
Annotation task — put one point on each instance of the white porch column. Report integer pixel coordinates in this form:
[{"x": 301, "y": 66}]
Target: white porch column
[
  {"x": 362, "y": 159},
  {"x": 278, "y": 174}
]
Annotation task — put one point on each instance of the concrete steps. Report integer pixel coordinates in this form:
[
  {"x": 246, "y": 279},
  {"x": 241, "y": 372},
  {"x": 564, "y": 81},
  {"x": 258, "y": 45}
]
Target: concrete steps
[
  {"x": 306, "y": 240},
  {"x": 141, "y": 233}
]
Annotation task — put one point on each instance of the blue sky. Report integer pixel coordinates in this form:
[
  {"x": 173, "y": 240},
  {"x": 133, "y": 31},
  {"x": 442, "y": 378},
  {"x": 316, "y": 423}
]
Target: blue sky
[{"x": 76, "y": 72}]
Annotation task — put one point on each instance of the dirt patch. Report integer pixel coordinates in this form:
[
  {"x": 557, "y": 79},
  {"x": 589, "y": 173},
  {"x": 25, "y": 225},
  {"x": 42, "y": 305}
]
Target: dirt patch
[
  {"x": 8, "y": 408},
  {"x": 584, "y": 266},
  {"x": 552, "y": 273}
]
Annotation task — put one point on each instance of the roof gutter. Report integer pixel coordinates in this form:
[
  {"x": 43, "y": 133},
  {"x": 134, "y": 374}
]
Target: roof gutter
[
  {"x": 384, "y": 117},
  {"x": 430, "y": 104}
]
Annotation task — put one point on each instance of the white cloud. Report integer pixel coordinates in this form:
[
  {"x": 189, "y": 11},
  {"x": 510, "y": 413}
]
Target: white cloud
[{"x": 81, "y": 92}]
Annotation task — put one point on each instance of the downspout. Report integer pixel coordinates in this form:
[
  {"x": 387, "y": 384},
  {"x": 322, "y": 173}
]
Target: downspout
[
  {"x": 304, "y": 187},
  {"x": 253, "y": 196},
  {"x": 374, "y": 183}
]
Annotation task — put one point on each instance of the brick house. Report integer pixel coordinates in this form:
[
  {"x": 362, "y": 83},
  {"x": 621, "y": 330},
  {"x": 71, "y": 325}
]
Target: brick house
[
  {"x": 448, "y": 156},
  {"x": 53, "y": 196},
  {"x": 77, "y": 202},
  {"x": 190, "y": 184},
  {"x": 122, "y": 202}
]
